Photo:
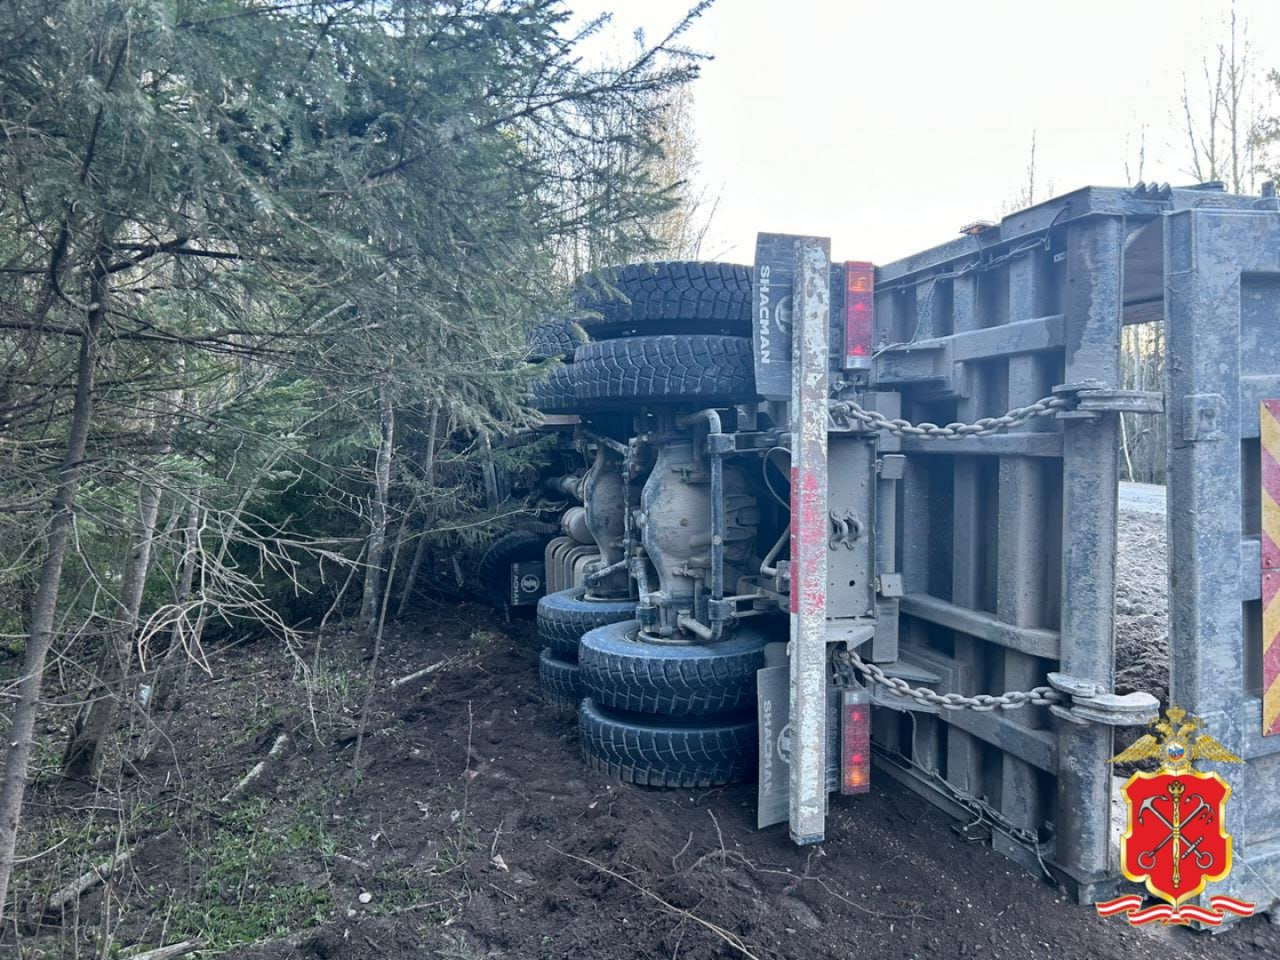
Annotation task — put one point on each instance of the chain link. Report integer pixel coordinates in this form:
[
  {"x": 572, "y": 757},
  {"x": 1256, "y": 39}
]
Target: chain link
[
  {"x": 983, "y": 812},
  {"x": 981, "y": 703},
  {"x": 848, "y": 413}
]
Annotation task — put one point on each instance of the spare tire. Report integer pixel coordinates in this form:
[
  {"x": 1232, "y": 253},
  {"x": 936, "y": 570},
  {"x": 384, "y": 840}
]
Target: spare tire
[
  {"x": 556, "y": 339},
  {"x": 658, "y": 752},
  {"x": 621, "y": 672},
  {"x": 701, "y": 369},
  {"x": 494, "y": 570},
  {"x": 558, "y": 681},
  {"x": 668, "y": 296},
  {"x": 563, "y": 618},
  {"x": 555, "y": 392}
]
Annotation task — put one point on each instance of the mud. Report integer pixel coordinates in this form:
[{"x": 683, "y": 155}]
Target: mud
[{"x": 476, "y": 832}]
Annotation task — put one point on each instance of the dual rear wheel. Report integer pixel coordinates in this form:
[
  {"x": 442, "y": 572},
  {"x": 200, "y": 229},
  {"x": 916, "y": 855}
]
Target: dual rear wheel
[
  {"x": 650, "y": 333},
  {"x": 658, "y": 714},
  {"x": 563, "y": 618},
  {"x": 669, "y": 715}
]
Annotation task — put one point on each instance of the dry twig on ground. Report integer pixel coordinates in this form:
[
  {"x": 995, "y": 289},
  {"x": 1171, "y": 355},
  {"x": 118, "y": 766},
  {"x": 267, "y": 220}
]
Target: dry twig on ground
[
  {"x": 170, "y": 952},
  {"x": 728, "y": 936},
  {"x": 418, "y": 674},
  {"x": 277, "y": 748},
  {"x": 723, "y": 856},
  {"x": 65, "y": 896}
]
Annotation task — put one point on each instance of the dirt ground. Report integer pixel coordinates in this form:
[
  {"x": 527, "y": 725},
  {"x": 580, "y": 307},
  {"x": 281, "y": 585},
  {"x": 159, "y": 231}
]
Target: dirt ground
[{"x": 476, "y": 832}]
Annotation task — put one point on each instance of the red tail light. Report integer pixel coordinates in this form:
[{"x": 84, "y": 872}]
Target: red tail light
[
  {"x": 855, "y": 741},
  {"x": 859, "y": 307}
]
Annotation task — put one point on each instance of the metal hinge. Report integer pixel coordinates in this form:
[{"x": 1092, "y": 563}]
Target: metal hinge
[
  {"x": 1093, "y": 398},
  {"x": 1090, "y": 704}
]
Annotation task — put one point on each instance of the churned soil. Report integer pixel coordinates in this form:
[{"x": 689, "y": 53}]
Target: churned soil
[
  {"x": 476, "y": 831},
  {"x": 1142, "y": 605}
]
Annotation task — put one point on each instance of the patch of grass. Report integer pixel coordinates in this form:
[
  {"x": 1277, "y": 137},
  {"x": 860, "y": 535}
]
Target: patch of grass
[
  {"x": 71, "y": 843},
  {"x": 264, "y": 711},
  {"x": 457, "y": 948},
  {"x": 46, "y": 756},
  {"x": 402, "y": 886},
  {"x": 455, "y": 851},
  {"x": 334, "y": 695},
  {"x": 241, "y": 896}
]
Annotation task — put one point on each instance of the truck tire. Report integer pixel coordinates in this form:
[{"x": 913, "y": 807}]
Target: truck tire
[
  {"x": 556, "y": 339},
  {"x": 620, "y": 672},
  {"x": 661, "y": 297},
  {"x": 494, "y": 570},
  {"x": 658, "y": 752},
  {"x": 563, "y": 618},
  {"x": 559, "y": 681},
  {"x": 554, "y": 392},
  {"x": 702, "y": 369}
]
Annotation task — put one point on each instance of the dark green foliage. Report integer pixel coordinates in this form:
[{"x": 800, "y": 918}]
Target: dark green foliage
[
  {"x": 266, "y": 275},
  {"x": 288, "y": 205}
]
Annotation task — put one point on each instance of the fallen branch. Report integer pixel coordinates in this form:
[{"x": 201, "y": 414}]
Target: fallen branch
[
  {"x": 277, "y": 748},
  {"x": 733, "y": 855},
  {"x": 63, "y": 897},
  {"x": 728, "y": 936},
  {"x": 352, "y": 861},
  {"x": 418, "y": 674},
  {"x": 167, "y": 953}
]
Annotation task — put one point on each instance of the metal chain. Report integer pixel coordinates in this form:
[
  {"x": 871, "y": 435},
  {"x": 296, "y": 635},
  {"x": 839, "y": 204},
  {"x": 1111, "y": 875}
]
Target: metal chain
[
  {"x": 847, "y": 413},
  {"x": 981, "y": 703},
  {"x": 982, "y": 811}
]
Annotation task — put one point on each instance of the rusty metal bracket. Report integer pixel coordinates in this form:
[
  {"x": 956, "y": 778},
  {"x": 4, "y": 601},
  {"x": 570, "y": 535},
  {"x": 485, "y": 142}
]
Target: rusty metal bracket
[
  {"x": 1093, "y": 398},
  {"x": 1091, "y": 704}
]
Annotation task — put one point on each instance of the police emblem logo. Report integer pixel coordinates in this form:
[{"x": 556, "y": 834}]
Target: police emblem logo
[{"x": 1176, "y": 841}]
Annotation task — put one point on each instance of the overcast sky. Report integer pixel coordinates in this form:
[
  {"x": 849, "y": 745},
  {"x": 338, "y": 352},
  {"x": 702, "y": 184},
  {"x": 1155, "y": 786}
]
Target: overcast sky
[{"x": 888, "y": 125}]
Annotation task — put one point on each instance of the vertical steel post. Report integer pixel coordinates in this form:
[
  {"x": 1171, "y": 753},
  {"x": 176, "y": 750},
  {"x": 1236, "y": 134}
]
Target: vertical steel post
[
  {"x": 810, "y": 312},
  {"x": 1095, "y": 282},
  {"x": 964, "y": 751},
  {"x": 1205, "y": 494},
  {"x": 1022, "y": 575},
  {"x": 1205, "y": 627},
  {"x": 1222, "y": 295}
]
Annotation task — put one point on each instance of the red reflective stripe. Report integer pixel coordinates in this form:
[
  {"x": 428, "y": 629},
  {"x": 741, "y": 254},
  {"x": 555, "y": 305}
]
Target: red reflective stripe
[{"x": 808, "y": 528}]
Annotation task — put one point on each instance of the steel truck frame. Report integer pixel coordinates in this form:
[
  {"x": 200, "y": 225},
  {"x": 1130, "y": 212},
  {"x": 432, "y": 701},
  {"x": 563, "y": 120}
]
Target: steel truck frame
[{"x": 943, "y": 569}]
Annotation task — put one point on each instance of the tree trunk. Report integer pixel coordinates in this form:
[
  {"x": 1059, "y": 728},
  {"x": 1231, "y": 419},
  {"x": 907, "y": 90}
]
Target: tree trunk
[
  {"x": 377, "y": 653},
  {"x": 85, "y": 749},
  {"x": 428, "y": 469},
  {"x": 44, "y": 607},
  {"x": 186, "y": 575},
  {"x": 164, "y": 688},
  {"x": 378, "y": 520}
]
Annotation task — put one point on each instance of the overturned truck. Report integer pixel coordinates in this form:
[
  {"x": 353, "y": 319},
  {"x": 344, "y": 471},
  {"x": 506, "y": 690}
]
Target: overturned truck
[{"x": 833, "y": 521}]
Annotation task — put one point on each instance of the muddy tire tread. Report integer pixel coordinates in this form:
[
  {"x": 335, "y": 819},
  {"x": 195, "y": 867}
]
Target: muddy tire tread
[
  {"x": 563, "y": 618},
  {"x": 706, "y": 755},
  {"x": 675, "y": 681}
]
